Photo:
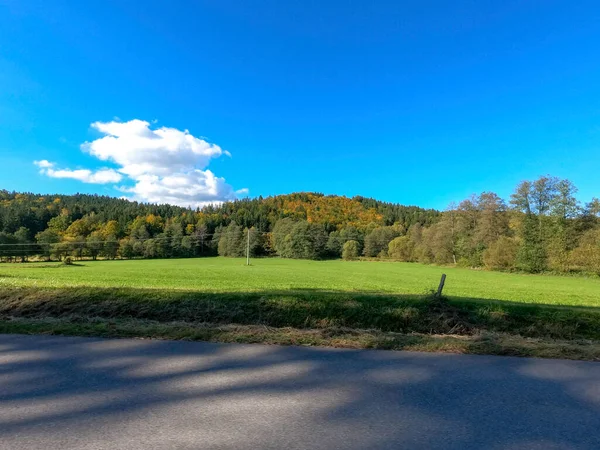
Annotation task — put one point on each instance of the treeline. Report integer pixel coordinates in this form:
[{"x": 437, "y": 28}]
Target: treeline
[
  {"x": 89, "y": 226},
  {"x": 542, "y": 227}
]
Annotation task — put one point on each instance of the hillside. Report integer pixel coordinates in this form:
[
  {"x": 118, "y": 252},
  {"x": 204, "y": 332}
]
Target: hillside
[
  {"x": 541, "y": 227},
  {"x": 57, "y": 226},
  {"x": 34, "y": 211}
]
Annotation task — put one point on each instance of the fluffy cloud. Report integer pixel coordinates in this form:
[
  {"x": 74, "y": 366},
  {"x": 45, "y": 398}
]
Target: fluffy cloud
[
  {"x": 43, "y": 164},
  {"x": 102, "y": 176},
  {"x": 165, "y": 165},
  {"x": 141, "y": 151},
  {"x": 196, "y": 187}
]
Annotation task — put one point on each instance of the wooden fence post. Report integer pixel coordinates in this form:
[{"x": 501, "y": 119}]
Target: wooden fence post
[{"x": 441, "y": 286}]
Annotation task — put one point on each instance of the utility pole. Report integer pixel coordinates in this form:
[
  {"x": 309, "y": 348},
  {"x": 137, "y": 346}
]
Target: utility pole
[{"x": 248, "y": 249}]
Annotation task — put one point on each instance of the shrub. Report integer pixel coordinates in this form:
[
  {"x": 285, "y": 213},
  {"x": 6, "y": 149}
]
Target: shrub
[
  {"x": 401, "y": 248},
  {"x": 502, "y": 254},
  {"x": 350, "y": 250},
  {"x": 586, "y": 256}
]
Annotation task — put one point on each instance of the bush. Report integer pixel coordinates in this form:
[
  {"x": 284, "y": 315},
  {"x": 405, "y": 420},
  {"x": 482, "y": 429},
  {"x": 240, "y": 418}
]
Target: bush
[
  {"x": 401, "y": 248},
  {"x": 350, "y": 250},
  {"x": 586, "y": 256},
  {"x": 502, "y": 254},
  {"x": 463, "y": 262},
  {"x": 337, "y": 239}
]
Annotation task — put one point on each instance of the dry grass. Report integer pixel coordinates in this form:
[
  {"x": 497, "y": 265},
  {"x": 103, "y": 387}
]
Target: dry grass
[{"x": 481, "y": 343}]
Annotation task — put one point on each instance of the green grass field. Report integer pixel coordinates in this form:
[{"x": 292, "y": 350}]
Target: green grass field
[
  {"x": 231, "y": 275},
  {"x": 350, "y": 304}
]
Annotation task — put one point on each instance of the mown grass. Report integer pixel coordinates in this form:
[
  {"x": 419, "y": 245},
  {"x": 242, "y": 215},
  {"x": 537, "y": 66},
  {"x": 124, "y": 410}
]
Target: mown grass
[
  {"x": 357, "y": 304},
  {"x": 231, "y": 275}
]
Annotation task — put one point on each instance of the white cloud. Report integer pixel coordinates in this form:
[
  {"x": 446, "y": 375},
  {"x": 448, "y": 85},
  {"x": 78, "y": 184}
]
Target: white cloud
[
  {"x": 43, "y": 164},
  {"x": 165, "y": 165},
  {"x": 196, "y": 188},
  {"x": 102, "y": 176},
  {"x": 142, "y": 151}
]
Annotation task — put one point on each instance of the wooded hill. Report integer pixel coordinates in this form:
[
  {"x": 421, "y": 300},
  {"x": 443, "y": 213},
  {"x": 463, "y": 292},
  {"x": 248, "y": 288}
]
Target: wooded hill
[
  {"x": 542, "y": 227},
  {"x": 91, "y": 225}
]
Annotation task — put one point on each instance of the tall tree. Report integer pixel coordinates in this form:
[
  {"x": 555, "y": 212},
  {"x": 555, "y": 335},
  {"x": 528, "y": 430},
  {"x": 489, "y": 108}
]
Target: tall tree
[
  {"x": 535, "y": 201},
  {"x": 231, "y": 242},
  {"x": 564, "y": 207},
  {"x": 492, "y": 221}
]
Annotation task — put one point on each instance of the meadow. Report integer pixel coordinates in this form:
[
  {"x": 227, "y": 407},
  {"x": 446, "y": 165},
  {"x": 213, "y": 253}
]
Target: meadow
[
  {"x": 359, "y": 304},
  {"x": 274, "y": 274}
]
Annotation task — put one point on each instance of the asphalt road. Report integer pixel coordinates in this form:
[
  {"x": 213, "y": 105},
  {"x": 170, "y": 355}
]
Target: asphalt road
[{"x": 80, "y": 393}]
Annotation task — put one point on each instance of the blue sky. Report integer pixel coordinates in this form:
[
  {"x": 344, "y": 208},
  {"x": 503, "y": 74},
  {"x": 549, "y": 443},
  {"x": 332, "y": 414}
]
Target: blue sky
[{"x": 417, "y": 102}]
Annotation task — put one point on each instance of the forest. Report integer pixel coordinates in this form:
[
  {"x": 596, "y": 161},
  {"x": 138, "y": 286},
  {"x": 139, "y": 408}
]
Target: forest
[{"x": 542, "y": 227}]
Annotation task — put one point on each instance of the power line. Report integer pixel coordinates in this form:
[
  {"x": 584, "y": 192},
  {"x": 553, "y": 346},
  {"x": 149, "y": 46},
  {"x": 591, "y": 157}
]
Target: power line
[{"x": 264, "y": 233}]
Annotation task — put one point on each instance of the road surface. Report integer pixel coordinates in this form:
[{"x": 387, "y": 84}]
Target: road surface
[{"x": 81, "y": 393}]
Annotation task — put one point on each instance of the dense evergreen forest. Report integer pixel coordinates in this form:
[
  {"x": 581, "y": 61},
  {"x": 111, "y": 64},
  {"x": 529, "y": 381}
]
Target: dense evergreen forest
[{"x": 541, "y": 227}]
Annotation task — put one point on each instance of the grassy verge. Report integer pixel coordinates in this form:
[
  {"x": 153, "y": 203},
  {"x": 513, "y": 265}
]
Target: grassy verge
[
  {"x": 307, "y": 317},
  {"x": 483, "y": 343}
]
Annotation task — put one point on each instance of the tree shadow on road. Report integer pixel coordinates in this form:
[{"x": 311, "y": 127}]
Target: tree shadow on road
[{"x": 58, "y": 392}]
